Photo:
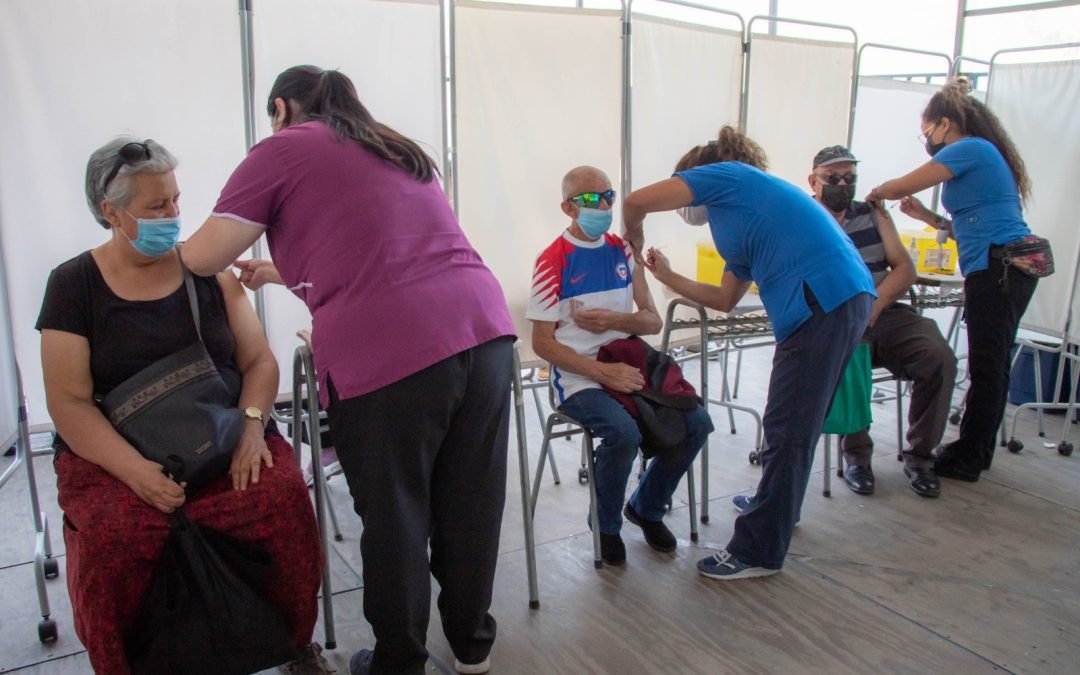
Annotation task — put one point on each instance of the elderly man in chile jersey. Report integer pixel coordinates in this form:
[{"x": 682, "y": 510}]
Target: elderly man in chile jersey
[{"x": 584, "y": 294}]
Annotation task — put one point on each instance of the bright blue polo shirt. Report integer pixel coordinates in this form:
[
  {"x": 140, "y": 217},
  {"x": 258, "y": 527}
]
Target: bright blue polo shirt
[
  {"x": 772, "y": 233},
  {"x": 982, "y": 199}
]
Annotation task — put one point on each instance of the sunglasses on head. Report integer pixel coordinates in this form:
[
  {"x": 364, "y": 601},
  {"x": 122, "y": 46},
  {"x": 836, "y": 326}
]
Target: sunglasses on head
[
  {"x": 129, "y": 153},
  {"x": 591, "y": 200},
  {"x": 835, "y": 178}
]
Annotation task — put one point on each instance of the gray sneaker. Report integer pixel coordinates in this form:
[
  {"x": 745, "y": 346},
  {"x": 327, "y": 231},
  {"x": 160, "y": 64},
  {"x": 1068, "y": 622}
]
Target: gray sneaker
[{"x": 725, "y": 566}]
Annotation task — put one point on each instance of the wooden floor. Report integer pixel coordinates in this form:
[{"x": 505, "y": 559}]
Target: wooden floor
[{"x": 984, "y": 579}]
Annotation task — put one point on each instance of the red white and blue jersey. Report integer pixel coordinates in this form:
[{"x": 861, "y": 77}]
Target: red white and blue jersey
[{"x": 575, "y": 274}]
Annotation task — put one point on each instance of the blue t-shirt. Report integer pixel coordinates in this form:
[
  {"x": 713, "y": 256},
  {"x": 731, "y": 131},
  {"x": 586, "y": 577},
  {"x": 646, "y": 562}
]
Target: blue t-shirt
[
  {"x": 770, "y": 232},
  {"x": 982, "y": 199}
]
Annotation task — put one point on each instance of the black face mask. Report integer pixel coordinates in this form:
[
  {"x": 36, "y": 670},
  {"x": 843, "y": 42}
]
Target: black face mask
[
  {"x": 933, "y": 148},
  {"x": 837, "y": 198}
]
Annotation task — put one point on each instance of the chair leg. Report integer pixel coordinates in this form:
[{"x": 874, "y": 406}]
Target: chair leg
[
  {"x": 594, "y": 512},
  {"x": 540, "y": 415},
  {"x": 899, "y": 420},
  {"x": 545, "y": 448},
  {"x": 690, "y": 490},
  {"x": 826, "y": 489}
]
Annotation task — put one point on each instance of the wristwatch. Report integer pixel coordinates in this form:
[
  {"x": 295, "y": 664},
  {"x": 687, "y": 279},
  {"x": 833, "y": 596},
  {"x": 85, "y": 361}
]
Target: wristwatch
[{"x": 253, "y": 413}]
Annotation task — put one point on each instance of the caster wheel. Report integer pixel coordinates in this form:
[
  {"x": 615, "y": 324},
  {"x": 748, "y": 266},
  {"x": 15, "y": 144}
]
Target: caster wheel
[
  {"x": 1065, "y": 449},
  {"x": 1014, "y": 446},
  {"x": 954, "y": 419},
  {"x": 754, "y": 458},
  {"x": 583, "y": 476},
  {"x": 46, "y": 630},
  {"x": 52, "y": 568}
]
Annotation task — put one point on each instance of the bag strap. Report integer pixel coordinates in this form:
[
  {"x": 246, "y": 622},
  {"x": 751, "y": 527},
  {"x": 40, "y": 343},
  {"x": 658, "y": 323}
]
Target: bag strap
[{"x": 193, "y": 298}]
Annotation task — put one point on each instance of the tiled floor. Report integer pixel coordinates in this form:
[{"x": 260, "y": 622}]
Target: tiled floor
[{"x": 986, "y": 578}]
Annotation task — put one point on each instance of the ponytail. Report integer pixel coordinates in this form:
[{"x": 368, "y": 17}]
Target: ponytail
[
  {"x": 329, "y": 96},
  {"x": 973, "y": 118}
]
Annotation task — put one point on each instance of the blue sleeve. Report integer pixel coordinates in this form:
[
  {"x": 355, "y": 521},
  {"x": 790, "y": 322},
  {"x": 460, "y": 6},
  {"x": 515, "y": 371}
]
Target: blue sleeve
[
  {"x": 711, "y": 183},
  {"x": 741, "y": 272},
  {"x": 959, "y": 157}
]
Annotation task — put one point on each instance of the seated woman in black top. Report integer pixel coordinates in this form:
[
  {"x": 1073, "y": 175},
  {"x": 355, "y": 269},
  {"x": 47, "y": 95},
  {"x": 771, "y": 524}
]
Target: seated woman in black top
[{"x": 107, "y": 314}]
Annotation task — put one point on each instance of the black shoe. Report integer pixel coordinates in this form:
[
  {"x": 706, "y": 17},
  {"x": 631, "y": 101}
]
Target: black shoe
[
  {"x": 923, "y": 481},
  {"x": 956, "y": 471},
  {"x": 860, "y": 479},
  {"x": 656, "y": 533},
  {"x": 612, "y": 549}
]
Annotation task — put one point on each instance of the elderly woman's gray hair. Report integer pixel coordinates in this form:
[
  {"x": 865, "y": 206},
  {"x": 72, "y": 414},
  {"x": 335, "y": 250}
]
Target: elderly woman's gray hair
[{"x": 121, "y": 189}]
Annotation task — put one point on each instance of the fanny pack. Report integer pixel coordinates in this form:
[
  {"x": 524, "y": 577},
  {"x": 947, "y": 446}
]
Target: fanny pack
[{"x": 1031, "y": 255}]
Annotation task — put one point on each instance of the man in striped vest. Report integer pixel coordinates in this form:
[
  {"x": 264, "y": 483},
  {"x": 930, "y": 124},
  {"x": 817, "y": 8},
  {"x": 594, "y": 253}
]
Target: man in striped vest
[{"x": 908, "y": 345}]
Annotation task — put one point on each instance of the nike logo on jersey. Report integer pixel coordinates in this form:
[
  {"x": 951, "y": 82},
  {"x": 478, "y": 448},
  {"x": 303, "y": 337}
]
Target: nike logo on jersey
[{"x": 574, "y": 280}]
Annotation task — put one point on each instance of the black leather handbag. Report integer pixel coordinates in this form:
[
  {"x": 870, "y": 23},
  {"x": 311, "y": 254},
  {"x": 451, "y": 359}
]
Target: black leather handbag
[{"x": 178, "y": 412}]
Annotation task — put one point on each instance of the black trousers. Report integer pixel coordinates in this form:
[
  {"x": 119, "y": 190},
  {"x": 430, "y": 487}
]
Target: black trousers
[
  {"x": 993, "y": 305},
  {"x": 425, "y": 459}
]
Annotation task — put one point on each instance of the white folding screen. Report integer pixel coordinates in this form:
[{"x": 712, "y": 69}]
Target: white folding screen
[
  {"x": 76, "y": 73},
  {"x": 9, "y": 394},
  {"x": 1036, "y": 103},
  {"x": 360, "y": 38},
  {"x": 538, "y": 92},
  {"x": 686, "y": 84},
  {"x": 799, "y": 99},
  {"x": 886, "y": 135}
]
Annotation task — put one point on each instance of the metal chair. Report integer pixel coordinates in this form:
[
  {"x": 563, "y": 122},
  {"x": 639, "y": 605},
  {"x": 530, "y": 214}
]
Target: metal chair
[
  {"x": 305, "y": 387},
  {"x": 573, "y": 428},
  {"x": 45, "y": 566}
]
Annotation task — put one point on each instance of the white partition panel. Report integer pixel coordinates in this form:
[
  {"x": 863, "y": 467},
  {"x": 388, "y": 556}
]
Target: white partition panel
[
  {"x": 1036, "y": 103},
  {"x": 9, "y": 392},
  {"x": 886, "y": 136},
  {"x": 361, "y": 38},
  {"x": 686, "y": 85},
  {"x": 538, "y": 93},
  {"x": 76, "y": 73},
  {"x": 799, "y": 99}
]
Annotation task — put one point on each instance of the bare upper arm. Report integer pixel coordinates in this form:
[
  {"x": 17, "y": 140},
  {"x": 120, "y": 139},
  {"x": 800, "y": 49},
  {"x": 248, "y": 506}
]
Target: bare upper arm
[
  {"x": 247, "y": 330},
  {"x": 218, "y": 243},
  {"x": 895, "y": 253},
  {"x": 926, "y": 176},
  {"x": 65, "y": 363},
  {"x": 642, "y": 295}
]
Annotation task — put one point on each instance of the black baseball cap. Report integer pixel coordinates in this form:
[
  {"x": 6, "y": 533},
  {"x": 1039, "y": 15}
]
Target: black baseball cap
[{"x": 834, "y": 154}]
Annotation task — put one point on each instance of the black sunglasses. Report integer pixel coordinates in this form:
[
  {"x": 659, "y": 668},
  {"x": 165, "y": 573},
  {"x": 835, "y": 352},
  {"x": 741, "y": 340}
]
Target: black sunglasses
[
  {"x": 591, "y": 200},
  {"x": 130, "y": 153},
  {"x": 835, "y": 178}
]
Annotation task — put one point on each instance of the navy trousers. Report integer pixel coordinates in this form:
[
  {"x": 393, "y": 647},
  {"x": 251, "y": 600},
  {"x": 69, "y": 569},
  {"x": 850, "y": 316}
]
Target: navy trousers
[{"x": 806, "y": 370}]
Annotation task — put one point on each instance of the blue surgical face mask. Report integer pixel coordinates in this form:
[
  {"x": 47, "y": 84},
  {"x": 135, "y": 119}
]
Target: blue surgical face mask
[
  {"x": 157, "y": 236},
  {"x": 593, "y": 222}
]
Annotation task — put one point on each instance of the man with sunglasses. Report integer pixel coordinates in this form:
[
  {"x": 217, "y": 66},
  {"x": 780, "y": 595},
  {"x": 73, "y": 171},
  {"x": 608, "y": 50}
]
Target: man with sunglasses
[
  {"x": 908, "y": 345},
  {"x": 585, "y": 290}
]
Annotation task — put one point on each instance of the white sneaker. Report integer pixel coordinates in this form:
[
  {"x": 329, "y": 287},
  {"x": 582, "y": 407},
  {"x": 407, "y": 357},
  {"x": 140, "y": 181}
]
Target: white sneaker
[{"x": 472, "y": 668}]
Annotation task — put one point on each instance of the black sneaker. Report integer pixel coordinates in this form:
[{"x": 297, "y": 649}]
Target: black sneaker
[
  {"x": 656, "y": 533},
  {"x": 612, "y": 549}
]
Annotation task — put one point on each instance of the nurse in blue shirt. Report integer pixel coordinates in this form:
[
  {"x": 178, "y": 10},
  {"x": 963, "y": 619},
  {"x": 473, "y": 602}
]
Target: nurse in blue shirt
[
  {"x": 984, "y": 184},
  {"x": 817, "y": 292}
]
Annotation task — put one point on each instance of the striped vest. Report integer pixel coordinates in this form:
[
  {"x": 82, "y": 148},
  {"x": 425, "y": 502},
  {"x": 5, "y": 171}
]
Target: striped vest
[{"x": 860, "y": 226}]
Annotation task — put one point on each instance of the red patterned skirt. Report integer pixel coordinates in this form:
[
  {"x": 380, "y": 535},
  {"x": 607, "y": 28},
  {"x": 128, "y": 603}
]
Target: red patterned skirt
[{"x": 113, "y": 541}]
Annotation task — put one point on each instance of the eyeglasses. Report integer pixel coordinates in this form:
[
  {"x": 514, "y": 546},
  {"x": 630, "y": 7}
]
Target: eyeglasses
[
  {"x": 835, "y": 178},
  {"x": 130, "y": 153},
  {"x": 925, "y": 135},
  {"x": 591, "y": 200}
]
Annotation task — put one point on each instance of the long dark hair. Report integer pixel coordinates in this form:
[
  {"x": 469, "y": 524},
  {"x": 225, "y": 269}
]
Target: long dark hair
[
  {"x": 731, "y": 145},
  {"x": 973, "y": 118},
  {"x": 329, "y": 96}
]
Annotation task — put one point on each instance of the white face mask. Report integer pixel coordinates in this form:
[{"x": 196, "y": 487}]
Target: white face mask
[{"x": 694, "y": 215}]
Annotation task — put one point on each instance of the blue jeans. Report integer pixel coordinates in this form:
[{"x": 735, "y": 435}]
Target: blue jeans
[{"x": 606, "y": 419}]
